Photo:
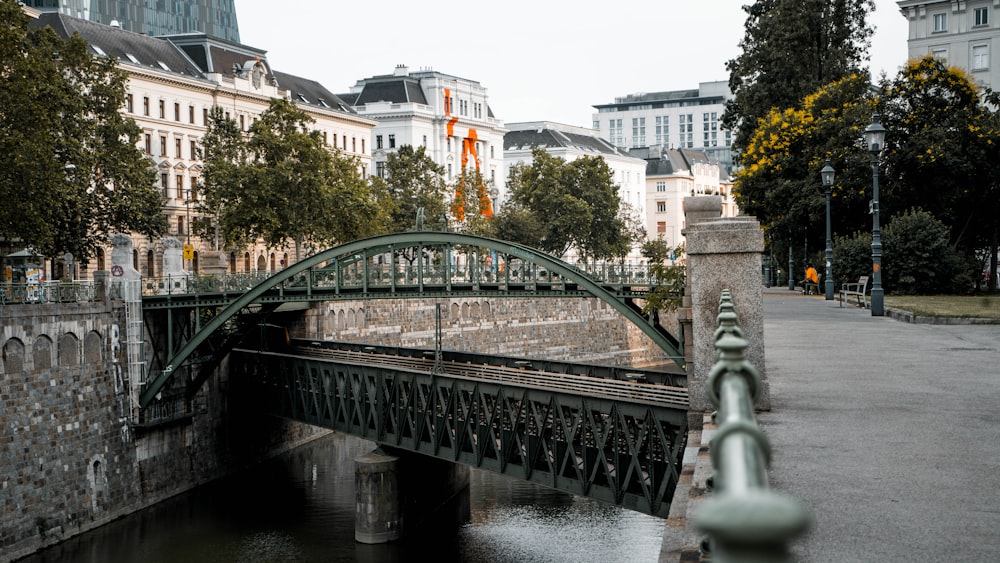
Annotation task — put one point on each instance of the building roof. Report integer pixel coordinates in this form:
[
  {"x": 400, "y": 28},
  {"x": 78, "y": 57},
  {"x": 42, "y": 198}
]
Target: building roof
[
  {"x": 126, "y": 46},
  {"x": 393, "y": 89},
  {"x": 546, "y": 135},
  {"x": 310, "y": 92},
  {"x": 662, "y": 161}
]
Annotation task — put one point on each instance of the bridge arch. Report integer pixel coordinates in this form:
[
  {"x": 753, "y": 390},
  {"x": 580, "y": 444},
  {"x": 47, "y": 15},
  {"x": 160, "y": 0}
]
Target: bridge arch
[{"x": 417, "y": 239}]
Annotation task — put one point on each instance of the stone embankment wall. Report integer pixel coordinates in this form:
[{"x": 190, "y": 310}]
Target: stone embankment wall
[
  {"x": 584, "y": 330},
  {"x": 70, "y": 458}
]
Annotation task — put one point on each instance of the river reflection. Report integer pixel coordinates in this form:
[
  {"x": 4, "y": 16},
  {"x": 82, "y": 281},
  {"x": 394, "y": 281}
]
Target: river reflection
[{"x": 300, "y": 508}]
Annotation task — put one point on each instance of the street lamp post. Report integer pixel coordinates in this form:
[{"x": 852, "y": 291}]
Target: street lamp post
[
  {"x": 875, "y": 138},
  {"x": 791, "y": 265},
  {"x": 827, "y": 174}
]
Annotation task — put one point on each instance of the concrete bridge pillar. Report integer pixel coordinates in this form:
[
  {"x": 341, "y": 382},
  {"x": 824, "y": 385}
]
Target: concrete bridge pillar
[
  {"x": 399, "y": 492},
  {"x": 725, "y": 253}
]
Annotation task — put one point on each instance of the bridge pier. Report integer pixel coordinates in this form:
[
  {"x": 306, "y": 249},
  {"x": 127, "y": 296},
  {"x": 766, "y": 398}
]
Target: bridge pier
[{"x": 398, "y": 492}]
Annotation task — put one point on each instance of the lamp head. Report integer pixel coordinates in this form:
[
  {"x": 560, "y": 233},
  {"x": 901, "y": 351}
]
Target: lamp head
[
  {"x": 875, "y": 135},
  {"x": 827, "y": 173}
]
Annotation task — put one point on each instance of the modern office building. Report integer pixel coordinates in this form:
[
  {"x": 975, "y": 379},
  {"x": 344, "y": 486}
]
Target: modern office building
[
  {"x": 682, "y": 119},
  {"x": 569, "y": 143},
  {"x": 449, "y": 116},
  {"x": 174, "y": 82},
  {"x": 961, "y": 33},
  {"x": 216, "y": 18}
]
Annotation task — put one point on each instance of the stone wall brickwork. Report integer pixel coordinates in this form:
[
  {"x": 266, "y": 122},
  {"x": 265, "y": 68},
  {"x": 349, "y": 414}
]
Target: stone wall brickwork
[
  {"x": 70, "y": 459},
  {"x": 568, "y": 329}
]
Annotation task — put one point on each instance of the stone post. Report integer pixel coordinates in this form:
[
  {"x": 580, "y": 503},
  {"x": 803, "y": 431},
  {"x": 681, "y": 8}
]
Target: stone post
[
  {"x": 101, "y": 282},
  {"x": 725, "y": 254},
  {"x": 696, "y": 210},
  {"x": 174, "y": 276},
  {"x": 122, "y": 268}
]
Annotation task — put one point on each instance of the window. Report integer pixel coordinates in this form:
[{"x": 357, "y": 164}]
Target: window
[
  {"x": 638, "y": 131},
  {"x": 940, "y": 53},
  {"x": 344, "y": 141},
  {"x": 242, "y": 123},
  {"x": 425, "y": 141},
  {"x": 354, "y": 144},
  {"x": 661, "y": 187},
  {"x": 380, "y": 169},
  {"x": 661, "y": 226},
  {"x": 687, "y": 131},
  {"x": 980, "y": 57},
  {"x": 449, "y": 171},
  {"x": 180, "y": 186},
  {"x": 204, "y": 116},
  {"x": 362, "y": 146},
  {"x": 177, "y": 112},
  {"x": 392, "y": 141},
  {"x": 194, "y": 187},
  {"x": 164, "y": 185},
  {"x": 663, "y": 130},
  {"x": 616, "y": 135},
  {"x": 145, "y": 105},
  {"x": 981, "y": 16},
  {"x": 491, "y": 151},
  {"x": 149, "y": 144},
  {"x": 163, "y": 109},
  {"x": 378, "y": 143},
  {"x": 940, "y": 23},
  {"x": 661, "y": 207},
  {"x": 194, "y": 149},
  {"x": 163, "y": 145},
  {"x": 180, "y": 225},
  {"x": 710, "y": 129},
  {"x": 191, "y": 114},
  {"x": 128, "y": 103}
]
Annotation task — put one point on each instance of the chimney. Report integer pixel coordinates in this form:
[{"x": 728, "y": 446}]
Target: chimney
[{"x": 401, "y": 70}]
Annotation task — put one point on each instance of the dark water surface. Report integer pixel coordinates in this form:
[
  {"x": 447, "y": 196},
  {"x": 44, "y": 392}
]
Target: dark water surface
[{"x": 300, "y": 508}]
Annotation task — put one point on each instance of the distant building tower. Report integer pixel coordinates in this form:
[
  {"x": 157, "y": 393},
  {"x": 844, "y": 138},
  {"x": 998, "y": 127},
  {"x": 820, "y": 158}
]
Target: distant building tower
[
  {"x": 960, "y": 33},
  {"x": 683, "y": 119},
  {"x": 215, "y": 18}
]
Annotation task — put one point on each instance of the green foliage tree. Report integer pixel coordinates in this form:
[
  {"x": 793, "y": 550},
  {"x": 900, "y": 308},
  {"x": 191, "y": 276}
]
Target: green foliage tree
[
  {"x": 852, "y": 257},
  {"x": 941, "y": 151},
  {"x": 557, "y": 205},
  {"x": 413, "y": 181},
  {"x": 70, "y": 170},
  {"x": 918, "y": 258},
  {"x": 789, "y": 49},
  {"x": 281, "y": 185},
  {"x": 666, "y": 267}
]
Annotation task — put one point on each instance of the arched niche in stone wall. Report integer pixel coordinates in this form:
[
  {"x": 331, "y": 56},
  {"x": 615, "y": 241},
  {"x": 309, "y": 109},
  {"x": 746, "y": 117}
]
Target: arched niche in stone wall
[
  {"x": 93, "y": 353},
  {"x": 41, "y": 352},
  {"x": 69, "y": 350},
  {"x": 13, "y": 356},
  {"x": 455, "y": 313}
]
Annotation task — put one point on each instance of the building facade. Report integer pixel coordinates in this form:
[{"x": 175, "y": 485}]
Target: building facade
[
  {"x": 449, "y": 116},
  {"x": 959, "y": 32},
  {"x": 672, "y": 175},
  {"x": 174, "y": 82},
  {"x": 216, "y": 18},
  {"x": 683, "y": 119},
  {"x": 569, "y": 143}
]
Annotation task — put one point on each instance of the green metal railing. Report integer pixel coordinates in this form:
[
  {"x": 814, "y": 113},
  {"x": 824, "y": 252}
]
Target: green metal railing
[
  {"x": 48, "y": 292},
  {"x": 745, "y": 521}
]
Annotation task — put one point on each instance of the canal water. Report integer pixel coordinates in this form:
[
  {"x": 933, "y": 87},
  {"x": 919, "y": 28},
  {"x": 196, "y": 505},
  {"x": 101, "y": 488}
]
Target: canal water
[{"x": 300, "y": 508}]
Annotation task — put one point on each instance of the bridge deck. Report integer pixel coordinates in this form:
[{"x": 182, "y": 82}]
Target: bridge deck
[{"x": 627, "y": 391}]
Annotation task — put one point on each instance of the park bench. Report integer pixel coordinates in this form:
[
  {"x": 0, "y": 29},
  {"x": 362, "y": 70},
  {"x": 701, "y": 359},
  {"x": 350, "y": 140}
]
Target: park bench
[{"x": 856, "y": 289}]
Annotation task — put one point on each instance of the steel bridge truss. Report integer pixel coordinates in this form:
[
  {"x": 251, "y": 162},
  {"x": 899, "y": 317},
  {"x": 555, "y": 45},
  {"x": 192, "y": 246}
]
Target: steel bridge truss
[
  {"x": 417, "y": 264},
  {"x": 617, "y": 451}
]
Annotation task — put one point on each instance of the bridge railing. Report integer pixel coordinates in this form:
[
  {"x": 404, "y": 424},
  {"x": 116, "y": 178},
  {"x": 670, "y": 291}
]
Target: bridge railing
[
  {"x": 76, "y": 291},
  {"x": 744, "y": 520},
  {"x": 359, "y": 274}
]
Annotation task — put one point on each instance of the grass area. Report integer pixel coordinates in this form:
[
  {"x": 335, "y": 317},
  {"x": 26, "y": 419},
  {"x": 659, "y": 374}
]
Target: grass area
[{"x": 981, "y": 306}]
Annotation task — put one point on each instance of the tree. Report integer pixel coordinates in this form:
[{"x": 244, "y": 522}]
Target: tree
[
  {"x": 941, "y": 150},
  {"x": 666, "y": 267},
  {"x": 558, "y": 205},
  {"x": 791, "y": 48},
  {"x": 282, "y": 185},
  {"x": 413, "y": 181},
  {"x": 70, "y": 170}
]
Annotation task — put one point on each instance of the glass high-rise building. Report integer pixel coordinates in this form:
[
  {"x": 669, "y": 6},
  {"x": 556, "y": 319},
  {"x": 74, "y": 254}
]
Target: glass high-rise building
[{"x": 216, "y": 18}]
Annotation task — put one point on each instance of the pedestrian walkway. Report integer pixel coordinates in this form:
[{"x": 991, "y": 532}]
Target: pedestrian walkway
[{"x": 889, "y": 432}]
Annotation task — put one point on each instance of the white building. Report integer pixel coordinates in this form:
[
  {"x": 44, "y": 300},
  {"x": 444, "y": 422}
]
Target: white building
[
  {"x": 448, "y": 115},
  {"x": 672, "y": 175},
  {"x": 569, "y": 143},
  {"x": 173, "y": 84},
  {"x": 685, "y": 119},
  {"x": 961, "y": 33}
]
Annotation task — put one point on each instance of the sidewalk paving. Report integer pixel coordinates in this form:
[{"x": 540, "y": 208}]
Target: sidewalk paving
[{"x": 889, "y": 432}]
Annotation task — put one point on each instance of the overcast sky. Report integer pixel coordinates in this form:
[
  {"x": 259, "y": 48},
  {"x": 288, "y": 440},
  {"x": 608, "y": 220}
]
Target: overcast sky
[{"x": 539, "y": 60}]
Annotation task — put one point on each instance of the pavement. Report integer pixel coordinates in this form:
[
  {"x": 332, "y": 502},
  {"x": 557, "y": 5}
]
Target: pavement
[{"x": 887, "y": 431}]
